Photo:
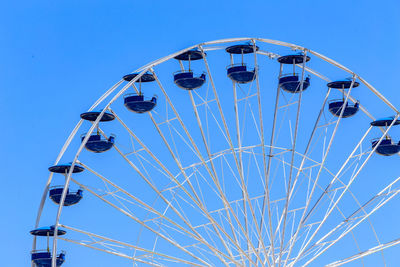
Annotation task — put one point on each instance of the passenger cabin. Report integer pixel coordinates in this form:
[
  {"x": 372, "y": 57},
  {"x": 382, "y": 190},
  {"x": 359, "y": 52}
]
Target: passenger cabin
[
  {"x": 341, "y": 107},
  {"x": 187, "y": 79},
  {"x": 43, "y": 258},
  {"x": 55, "y": 192},
  {"x": 240, "y": 73},
  {"x": 96, "y": 143},
  {"x": 336, "y": 106},
  {"x": 387, "y": 147},
  {"x": 137, "y": 102},
  {"x": 71, "y": 198},
  {"x": 293, "y": 82}
]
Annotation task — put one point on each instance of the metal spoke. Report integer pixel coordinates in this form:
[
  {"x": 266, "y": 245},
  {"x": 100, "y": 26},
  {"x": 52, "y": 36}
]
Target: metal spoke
[
  {"x": 347, "y": 186},
  {"x": 137, "y": 220},
  {"x": 126, "y": 245},
  {"x": 202, "y": 160},
  {"x": 68, "y": 175},
  {"x": 177, "y": 182},
  {"x": 213, "y": 167},
  {"x": 367, "y": 252},
  {"x": 353, "y": 220},
  {"x": 244, "y": 188},
  {"x": 196, "y": 234},
  {"x": 289, "y": 187},
  {"x": 323, "y": 161}
]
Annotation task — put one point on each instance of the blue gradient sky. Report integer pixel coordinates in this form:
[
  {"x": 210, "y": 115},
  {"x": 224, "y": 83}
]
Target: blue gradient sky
[{"x": 58, "y": 57}]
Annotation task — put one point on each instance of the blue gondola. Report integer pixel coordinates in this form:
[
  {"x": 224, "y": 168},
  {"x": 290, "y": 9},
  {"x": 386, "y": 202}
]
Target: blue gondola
[
  {"x": 187, "y": 80},
  {"x": 64, "y": 168},
  {"x": 336, "y": 106},
  {"x": 239, "y": 73},
  {"x": 71, "y": 198},
  {"x": 97, "y": 144},
  {"x": 387, "y": 147},
  {"x": 137, "y": 103},
  {"x": 43, "y": 258},
  {"x": 292, "y": 82},
  {"x": 92, "y": 116}
]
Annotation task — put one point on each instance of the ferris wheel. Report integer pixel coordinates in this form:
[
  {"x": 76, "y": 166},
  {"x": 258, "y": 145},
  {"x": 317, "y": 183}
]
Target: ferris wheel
[{"x": 235, "y": 152}]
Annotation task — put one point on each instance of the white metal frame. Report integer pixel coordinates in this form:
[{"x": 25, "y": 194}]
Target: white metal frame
[{"x": 255, "y": 254}]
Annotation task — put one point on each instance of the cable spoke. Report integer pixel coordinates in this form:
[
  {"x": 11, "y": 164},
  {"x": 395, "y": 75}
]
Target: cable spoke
[
  {"x": 367, "y": 252},
  {"x": 351, "y": 222},
  {"x": 124, "y": 244}
]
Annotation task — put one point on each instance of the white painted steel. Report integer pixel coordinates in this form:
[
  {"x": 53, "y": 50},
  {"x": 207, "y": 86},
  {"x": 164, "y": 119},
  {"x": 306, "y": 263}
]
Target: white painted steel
[{"x": 271, "y": 250}]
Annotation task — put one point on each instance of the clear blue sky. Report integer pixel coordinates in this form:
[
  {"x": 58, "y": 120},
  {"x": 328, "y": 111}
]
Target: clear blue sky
[{"x": 58, "y": 57}]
